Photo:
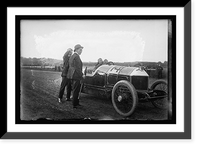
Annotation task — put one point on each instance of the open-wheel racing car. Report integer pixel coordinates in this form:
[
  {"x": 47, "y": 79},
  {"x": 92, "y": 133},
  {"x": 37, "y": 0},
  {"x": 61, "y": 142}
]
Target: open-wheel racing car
[{"x": 126, "y": 86}]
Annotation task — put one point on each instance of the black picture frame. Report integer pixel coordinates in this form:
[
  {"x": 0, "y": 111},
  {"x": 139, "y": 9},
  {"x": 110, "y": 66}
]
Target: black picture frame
[{"x": 126, "y": 135}]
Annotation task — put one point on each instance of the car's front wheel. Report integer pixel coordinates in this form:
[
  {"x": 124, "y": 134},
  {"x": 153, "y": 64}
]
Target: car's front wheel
[{"x": 124, "y": 98}]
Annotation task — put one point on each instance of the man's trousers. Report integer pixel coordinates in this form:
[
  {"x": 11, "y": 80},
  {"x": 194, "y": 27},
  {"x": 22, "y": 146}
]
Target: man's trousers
[
  {"x": 76, "y": 91},
  {"x": 65, "y": 82}
]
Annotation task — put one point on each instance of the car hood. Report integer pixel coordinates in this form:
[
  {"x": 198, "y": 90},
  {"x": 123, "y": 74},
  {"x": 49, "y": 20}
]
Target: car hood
[{"x": 122, "y": 70}]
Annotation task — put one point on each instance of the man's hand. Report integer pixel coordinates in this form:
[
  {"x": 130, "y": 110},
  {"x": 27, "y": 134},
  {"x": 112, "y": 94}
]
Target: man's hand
[{"x": 83, "y": 76}]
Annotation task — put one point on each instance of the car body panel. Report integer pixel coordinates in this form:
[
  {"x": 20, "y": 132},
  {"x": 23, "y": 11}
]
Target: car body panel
[{"x": 106, "y": 76}]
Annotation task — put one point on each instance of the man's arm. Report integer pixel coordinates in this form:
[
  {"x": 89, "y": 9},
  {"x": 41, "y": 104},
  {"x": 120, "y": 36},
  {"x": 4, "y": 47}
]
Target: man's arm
[{"x": 78, "y": 66}]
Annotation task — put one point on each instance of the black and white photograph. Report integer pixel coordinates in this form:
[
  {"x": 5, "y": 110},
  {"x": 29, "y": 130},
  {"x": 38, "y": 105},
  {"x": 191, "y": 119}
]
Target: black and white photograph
[
  {"x": 98, "y": 73},
  {"x": 96, "y": 69}
]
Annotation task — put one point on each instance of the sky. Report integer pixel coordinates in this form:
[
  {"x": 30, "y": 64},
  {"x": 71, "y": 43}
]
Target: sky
[{"x": 115, "y": 40}]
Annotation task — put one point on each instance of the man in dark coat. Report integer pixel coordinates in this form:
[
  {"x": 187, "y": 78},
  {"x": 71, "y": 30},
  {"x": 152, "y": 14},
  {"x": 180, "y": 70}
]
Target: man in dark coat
[
  {"x": 65, "y": 81},
  {"x": 75, "y": 73},
  {"x": 159, "y": 69}
]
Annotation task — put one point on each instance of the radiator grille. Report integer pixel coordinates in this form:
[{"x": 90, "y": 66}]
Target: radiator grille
[{"x": 140, "y": 82}]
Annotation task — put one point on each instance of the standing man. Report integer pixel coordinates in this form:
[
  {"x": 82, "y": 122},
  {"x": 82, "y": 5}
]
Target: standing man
[
  {"x": 159, "y": 69},
  {"x": 75, "y": 73},
  {"x": 65, "y": 81}
]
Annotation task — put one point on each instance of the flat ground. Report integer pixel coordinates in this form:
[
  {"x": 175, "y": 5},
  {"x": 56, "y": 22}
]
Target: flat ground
[{"x": 39, "y": 91}]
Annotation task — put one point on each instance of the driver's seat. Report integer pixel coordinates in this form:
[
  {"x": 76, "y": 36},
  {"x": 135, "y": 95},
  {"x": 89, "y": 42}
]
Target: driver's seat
[{"x": 91, "y": 71}]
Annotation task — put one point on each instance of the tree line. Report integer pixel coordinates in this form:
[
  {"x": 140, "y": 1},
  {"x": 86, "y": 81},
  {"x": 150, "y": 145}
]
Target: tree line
[{"x": 55, "y": 62}]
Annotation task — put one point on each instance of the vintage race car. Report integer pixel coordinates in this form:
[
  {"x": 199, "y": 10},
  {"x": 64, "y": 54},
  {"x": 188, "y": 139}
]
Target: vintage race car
[{"x": 126, "y": 86}]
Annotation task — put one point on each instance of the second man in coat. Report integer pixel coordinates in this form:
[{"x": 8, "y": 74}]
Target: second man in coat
[{"x": 75, "y": 74}]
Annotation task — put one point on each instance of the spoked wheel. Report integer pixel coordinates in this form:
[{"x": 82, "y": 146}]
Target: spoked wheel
[
  {"x": 160, "y": 86},
  {"x": 124, "y": 98}
]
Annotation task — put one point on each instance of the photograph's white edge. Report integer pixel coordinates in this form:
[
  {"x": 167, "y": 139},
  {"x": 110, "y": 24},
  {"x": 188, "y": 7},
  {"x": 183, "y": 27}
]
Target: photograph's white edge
[{"x": 12, "y": 127}]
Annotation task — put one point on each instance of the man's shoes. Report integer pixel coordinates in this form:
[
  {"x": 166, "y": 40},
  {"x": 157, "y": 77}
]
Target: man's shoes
[
  {"x": 59, "y": 100},
  {"x": 74, "y": 107},
  {"x": 77, "y": 106},
  {"x": 68, "y": 99}
]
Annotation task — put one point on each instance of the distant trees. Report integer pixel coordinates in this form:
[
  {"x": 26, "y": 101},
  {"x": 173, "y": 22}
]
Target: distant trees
[
  {"x": 54, "y": 64},
  {"x": 39, "y": 62}
]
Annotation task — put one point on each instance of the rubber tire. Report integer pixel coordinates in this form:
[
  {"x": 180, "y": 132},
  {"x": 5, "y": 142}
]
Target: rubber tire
[
  {"x": 133, "y": 93},
  {"x": 152, "y": 88}
]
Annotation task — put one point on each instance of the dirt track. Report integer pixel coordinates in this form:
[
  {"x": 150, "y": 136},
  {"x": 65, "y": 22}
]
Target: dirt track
[{"x": 39, "y": 91}]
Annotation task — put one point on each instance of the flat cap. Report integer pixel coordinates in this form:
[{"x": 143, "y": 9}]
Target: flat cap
[{"x": 78, "y": 46}]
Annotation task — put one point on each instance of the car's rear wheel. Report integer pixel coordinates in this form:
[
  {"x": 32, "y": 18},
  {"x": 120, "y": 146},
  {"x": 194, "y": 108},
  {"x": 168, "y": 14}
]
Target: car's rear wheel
[
  {"x": 124, "y": 98},
  {"x": 161, "y": 102}
]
